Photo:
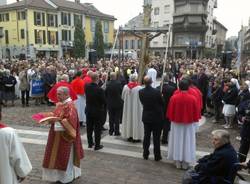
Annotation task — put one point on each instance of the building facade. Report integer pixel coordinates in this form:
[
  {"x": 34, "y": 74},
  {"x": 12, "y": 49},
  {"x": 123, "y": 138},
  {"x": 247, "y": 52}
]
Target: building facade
[
  {"x": 193, "y": 27},
  {"x": 220, "y": 32},
  {"x": 161, "y": 16},
  {"x": 246, "y": 41},
  {"x": 129, "y": 43},
  {"x": 45, "y": 28},
  {"x": 3, "y": 2}
]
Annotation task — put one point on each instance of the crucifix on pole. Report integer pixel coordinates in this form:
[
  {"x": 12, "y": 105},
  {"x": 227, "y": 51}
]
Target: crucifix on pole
[
  {"x": 144, "y": 34},
  {"x": 144, "y": 60},
  {"x": 146, "y": 37}
]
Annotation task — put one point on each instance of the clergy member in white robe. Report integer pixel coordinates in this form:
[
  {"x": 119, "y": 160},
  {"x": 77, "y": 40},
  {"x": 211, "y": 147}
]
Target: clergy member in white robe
[
  {"x": 153, "y": 74},
  {"x": 14, "y": 162},
  {"x": 132, "y": 126},
  {"x": 184, "y": 113}
]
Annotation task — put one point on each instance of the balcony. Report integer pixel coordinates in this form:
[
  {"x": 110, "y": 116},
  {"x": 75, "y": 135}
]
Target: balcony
[{"x": 189, "y": 12}]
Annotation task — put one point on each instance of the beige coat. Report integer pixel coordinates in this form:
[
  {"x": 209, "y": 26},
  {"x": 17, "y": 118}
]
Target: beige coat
[{"x": 24, "y": 82}]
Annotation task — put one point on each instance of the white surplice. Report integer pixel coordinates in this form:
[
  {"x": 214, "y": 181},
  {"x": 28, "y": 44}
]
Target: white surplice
[
  {"x": 182, "y": 142},
  {"x": 80, "y": 104},
  {"x": 132, "y": 125},
  {"x": 13, "y": 158},
  {"x": 72, "y": 172}
]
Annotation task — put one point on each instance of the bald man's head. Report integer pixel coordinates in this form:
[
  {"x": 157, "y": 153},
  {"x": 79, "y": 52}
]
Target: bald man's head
[{"x": 147, "y": 81}]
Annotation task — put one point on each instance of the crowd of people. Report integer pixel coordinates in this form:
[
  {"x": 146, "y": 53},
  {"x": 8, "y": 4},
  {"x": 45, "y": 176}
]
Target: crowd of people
[{"x": 88, "y": 95}]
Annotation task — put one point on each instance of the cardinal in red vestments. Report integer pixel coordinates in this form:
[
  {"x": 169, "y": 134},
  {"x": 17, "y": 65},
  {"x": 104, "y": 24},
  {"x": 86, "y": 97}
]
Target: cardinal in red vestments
[
  {"x": 64, "y": 148},
  {"x": 64, "y": 82},
  {"x": 78, "y": 86},
  {"x": 183, "y": 113}
]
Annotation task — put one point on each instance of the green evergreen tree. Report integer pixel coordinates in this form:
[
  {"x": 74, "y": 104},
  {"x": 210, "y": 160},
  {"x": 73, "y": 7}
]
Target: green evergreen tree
[
  {"x": 79, "y": 41},
  {"x": 98, "y": 41}
]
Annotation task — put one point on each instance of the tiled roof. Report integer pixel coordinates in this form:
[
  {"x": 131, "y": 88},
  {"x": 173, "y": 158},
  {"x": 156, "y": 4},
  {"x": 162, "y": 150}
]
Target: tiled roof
[
  {"x": 66, "y": 5},
  {"x": 41, "y": 4},
  {"x": 85, "y": 8},
  {"x": 93, "y": 11}
]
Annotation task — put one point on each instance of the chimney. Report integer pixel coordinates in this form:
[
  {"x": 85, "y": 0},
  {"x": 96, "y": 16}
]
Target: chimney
[{"x": 77, "y": 1}]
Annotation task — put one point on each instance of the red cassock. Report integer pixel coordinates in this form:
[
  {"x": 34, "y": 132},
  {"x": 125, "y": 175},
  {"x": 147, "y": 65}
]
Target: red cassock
[
  {"x": 52, "y": 93},
  {"x": 84, "y": 72},
  {"x": 59, "y": 143},
  {"x": 78, "y": 86},
  {"x": 198, "y": 95},
  {"x": 2, "y": 125},
  {"x": 182, "y": 108}
]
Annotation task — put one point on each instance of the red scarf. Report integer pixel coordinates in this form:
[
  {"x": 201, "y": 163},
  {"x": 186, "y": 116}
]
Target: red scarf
[
  {"x": 132, "y": 85},
  {"x": 2, "y": 125}
]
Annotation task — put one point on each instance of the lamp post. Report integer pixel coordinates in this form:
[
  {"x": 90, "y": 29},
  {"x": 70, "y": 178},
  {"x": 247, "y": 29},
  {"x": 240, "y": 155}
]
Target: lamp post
[{"x": 144, "y": 60}]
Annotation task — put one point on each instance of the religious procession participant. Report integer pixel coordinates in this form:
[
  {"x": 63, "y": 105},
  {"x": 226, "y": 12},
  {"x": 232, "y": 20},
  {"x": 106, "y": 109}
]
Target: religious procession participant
[
  {"x": 168, "y": 90},
  {"x": 183, "y": 113},
  {"x": 153, "y": 74},
  {"x": 78, "y": 86},
  {"x": 152, "y": 117},
  {"x": 86, "y": 80},
  {"x": 95, "y": 102},
  {"x": 114, "y": 104},
  {"x": 64, "y": 148},
  {"x": 14, "y": 162},
  {"x": 132, "y": 126}
]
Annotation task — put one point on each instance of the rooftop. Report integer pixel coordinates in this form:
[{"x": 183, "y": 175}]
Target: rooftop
[{"x": 64, "y": 5}]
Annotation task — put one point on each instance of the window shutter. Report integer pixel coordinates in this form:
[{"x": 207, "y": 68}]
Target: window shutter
[
  {"x": 69, "y": 21},
  {"x": 56, "y": 38},
  {"x": 56, "y": 21},
  {"x": 69, "y": 35},
  {"x": 43, "y": 17},
  {"x": 48, "y": 22},
  {"x": 49, "y": 41},
  {"x": 62, "y": 22},
  {"x": 35, "y": 31},
  {"x": 35, "y": 18},
  {"x": 44, "y": 37}
]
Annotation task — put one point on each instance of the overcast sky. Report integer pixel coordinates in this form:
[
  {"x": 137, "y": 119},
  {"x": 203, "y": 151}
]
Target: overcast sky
[{"x": 231, "y": 13}]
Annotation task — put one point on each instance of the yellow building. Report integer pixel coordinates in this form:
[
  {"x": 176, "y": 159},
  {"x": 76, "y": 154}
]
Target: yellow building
[{"x": 46, "y": 28}]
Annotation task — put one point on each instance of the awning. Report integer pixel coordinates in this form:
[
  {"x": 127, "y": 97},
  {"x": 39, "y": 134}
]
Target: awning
[
  {"x": 179, "y": 19},
  {"x": 194, "y": 19}
]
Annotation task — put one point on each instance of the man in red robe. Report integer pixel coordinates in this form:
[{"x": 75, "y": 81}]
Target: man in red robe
[
  {"x": 78, "y": 86},
  {"x": 183, "y": 113},
  {"x": 64, "y": 81},
  {"x": 64, "y": 148}
]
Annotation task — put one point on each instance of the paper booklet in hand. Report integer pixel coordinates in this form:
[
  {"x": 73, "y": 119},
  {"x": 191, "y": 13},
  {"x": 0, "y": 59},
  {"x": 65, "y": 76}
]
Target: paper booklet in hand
[{"x": 41, "y": 119}]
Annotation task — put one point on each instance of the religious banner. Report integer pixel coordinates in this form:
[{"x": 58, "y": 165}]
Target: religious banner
[{"x": 37, "y": 88}]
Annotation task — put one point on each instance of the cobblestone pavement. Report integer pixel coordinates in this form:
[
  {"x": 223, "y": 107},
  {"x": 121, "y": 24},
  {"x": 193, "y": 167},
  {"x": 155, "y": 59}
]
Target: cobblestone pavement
[
  {"x": 101, "y": 168},
  {"x": 119, "y": 161}
]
